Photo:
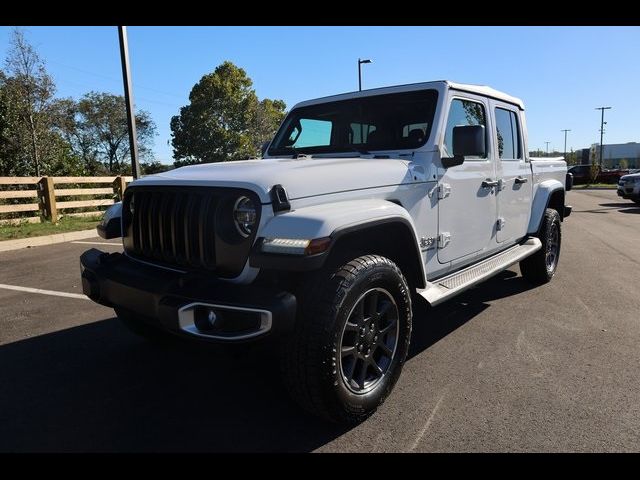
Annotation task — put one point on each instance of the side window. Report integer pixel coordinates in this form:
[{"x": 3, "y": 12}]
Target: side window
[
  {"x": 508, "y": 133},
  {"x": 312, "y": 133},
  {"x": 463, "y": 112}
]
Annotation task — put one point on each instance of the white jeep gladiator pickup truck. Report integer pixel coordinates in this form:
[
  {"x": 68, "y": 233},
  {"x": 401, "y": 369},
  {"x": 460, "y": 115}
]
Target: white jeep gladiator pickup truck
[{"x": 361, "y": 203}]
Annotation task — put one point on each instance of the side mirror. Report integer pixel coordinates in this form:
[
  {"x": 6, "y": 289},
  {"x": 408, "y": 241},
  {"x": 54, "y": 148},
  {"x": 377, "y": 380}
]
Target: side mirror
[
  {"x": 264, "y": 147},
  {"x": 468, "y": 140}
]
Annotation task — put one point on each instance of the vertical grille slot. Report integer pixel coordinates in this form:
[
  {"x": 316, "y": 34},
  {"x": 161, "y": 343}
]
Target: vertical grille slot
[{"x": 176, "y": 226}]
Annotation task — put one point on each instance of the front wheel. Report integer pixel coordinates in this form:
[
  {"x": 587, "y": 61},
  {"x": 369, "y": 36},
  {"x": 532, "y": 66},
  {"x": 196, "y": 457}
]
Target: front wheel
[
  {"x": 540, "y": 267},
  {"x": 351, "y": 340}
]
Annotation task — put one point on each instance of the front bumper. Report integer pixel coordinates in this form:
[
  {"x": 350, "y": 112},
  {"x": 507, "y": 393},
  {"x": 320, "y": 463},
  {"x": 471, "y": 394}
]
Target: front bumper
[
  {"x": 629, "y": 195},
  {"x": 181, "y": 303}
]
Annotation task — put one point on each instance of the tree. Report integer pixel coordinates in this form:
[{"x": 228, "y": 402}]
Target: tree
[
  {"x": 154, "y": 167},
  {"x": 224, "y": 119},
  {"x": 269, "y": 116},
  {"x": 28, "y": 92},
  {"x": 96, "y": 127}
]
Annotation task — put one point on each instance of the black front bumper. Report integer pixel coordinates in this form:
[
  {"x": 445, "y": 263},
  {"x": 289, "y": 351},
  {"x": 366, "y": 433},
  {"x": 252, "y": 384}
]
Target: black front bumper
[
  {"x": 627, "y": 196},
  {"x": 160, "y": 297}
]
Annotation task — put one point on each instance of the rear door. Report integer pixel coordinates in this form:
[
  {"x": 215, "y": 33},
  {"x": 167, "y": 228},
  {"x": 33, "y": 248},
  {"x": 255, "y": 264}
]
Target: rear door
[
  {"x": 467, "y": 215},
  {"x": 513, "y": 173}
]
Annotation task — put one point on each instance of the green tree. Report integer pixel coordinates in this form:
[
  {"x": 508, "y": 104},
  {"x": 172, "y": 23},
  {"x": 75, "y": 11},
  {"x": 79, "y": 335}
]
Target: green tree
[
  {"x": 269, "y": 116},
  {"x": 97, "y": 130},
  {"x": 29, "y": 144},
  {"x": 624, "y": 164},
  {"x": 154, "y": 167},
  {"x": 224, "y": 119}
]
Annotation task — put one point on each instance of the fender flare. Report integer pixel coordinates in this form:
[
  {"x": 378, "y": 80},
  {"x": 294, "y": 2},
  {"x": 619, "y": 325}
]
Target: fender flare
[
  {"x": 334, "y": 220},
  {"x": 543, "y": 195}
]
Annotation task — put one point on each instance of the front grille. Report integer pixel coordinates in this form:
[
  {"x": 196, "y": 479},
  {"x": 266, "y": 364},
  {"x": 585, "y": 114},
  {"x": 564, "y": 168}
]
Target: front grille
[{"x": 188, "y": 228}]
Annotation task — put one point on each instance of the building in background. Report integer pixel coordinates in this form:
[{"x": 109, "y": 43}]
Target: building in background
[{"x": 616, "y": 155}]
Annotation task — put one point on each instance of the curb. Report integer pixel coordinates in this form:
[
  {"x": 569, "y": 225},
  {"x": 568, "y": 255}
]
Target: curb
[{"x": 7, "y": 245}]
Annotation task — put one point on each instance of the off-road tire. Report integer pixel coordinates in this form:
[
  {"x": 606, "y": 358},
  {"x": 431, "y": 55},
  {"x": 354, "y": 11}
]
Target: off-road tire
[
  {"x": 539, "y": 268},
  {"x": 311, "y": 358}
]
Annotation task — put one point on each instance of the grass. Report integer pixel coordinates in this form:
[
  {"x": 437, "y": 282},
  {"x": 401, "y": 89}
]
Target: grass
[
  {"x": 65, "y": 224},
  {"x": 596, "y": 185}
]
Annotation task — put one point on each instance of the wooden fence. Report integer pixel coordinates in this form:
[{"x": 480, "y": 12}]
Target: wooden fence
[{"x": 21, "y": 197}]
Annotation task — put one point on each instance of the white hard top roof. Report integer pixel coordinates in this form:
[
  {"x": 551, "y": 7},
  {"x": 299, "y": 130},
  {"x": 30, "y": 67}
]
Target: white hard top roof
[{"x": 439, "y": 84}]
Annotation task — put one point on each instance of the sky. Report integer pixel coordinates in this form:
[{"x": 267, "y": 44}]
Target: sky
[{"x": 561, "y": 73}]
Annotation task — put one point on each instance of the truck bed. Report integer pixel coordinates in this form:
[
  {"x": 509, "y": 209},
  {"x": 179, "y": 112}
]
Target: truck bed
[{"x": 547, "y": 169}]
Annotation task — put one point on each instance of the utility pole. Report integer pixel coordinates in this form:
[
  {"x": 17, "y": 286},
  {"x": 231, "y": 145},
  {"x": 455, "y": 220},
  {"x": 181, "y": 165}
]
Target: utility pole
[
  {"x": 565, "y": 142},
  {"x": 547, "y": 147},
  {"x": 128, "y": 98},
  {"x": 602, "y": 109}
]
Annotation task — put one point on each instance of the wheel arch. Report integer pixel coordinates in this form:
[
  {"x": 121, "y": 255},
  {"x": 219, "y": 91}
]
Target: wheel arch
[
  {"x": 368, "y": 226},
  {"x": 549, "y": 194},
  {"x": 392, "y": 237}
]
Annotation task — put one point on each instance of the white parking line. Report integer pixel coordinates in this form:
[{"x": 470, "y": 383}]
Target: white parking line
[
  {"x": 43, "y": 292},
  {"x": 100, "y": 243}
]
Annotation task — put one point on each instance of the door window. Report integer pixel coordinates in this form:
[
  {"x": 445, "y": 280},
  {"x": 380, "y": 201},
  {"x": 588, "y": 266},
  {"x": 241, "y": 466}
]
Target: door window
[
  {"x": 508, "y": 133},
  {"x": 461, "y": 113}
]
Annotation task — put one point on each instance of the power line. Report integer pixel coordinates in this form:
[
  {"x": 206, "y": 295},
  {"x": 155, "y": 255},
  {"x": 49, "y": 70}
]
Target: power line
[
  {"x": 145, "y": 99},
  {"x": 107, "y": 77}
]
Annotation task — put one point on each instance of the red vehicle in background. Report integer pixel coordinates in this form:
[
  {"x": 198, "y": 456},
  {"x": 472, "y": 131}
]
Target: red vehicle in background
[{"x": 582, "y": 174}]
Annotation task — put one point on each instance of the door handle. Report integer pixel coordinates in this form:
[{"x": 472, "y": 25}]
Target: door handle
[
  {"x": 521, "y": 180},
  {"x": 490, "y": 183}
]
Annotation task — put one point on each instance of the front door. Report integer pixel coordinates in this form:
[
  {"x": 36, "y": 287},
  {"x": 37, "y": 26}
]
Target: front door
[
  {"x": 514, "y": 173},
  {"x": 467, "y": 215}
]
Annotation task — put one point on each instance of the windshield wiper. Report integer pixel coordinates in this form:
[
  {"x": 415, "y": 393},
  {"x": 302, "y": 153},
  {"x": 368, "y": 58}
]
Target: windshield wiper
[
  {"x": 296, "y": 153},
  {"x": 361, "y": 151}
]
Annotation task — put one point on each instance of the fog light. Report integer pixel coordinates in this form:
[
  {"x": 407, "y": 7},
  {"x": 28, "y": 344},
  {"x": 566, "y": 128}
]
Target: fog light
[{"x": 206, "y": 318}]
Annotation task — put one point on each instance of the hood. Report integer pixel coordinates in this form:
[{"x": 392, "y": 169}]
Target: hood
[
  {"x": 304, "y": 177},
  {"x": 630, "y": 176}
]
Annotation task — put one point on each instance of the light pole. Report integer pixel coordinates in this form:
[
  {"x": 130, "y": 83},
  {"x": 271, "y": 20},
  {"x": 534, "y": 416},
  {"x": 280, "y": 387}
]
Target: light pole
[
  {"x": 547, "y": 147},
  {"x": 360, "y": 62},
  {"x": 565, "y": 142},
  {"x": 602, "y": 109},
  {"x": 128, "y": 98}
]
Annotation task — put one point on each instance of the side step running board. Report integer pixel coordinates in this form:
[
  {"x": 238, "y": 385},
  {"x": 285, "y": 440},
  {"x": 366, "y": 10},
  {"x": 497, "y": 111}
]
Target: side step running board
[{"x": 444, "y": 288}]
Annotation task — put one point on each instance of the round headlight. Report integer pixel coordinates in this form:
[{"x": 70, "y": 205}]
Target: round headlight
[{"x": 244, "y": 216}]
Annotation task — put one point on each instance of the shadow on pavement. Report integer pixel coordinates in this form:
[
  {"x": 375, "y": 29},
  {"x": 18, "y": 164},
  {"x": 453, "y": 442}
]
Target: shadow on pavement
[
  {"x": 623, "y": 207},
  {"x": 431, "y": 324},
  {"x": 96, "y": 387}
]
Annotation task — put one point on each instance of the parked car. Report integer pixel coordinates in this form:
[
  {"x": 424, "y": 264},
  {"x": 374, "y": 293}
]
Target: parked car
[
  {"x": 629, "y": 187},
  {"x": 362, "y": 202},
  {"x": 582, "y": 174}
]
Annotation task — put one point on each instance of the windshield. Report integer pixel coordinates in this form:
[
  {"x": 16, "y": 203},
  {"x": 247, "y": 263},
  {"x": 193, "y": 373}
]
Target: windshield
[{"x": 394, "y": 121}]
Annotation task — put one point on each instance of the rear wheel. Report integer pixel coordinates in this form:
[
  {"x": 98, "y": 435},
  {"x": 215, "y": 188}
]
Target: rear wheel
[
  {"x": 351, "y": 340},
  {"x": 540, "y": 267}
]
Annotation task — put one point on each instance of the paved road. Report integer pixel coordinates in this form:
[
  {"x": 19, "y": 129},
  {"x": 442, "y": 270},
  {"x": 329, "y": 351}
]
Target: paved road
[{"x": 501, "y": 368}]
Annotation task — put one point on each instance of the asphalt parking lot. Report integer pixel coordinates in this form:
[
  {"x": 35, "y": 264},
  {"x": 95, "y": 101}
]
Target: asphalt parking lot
[{"x": 503, "y": 367}]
